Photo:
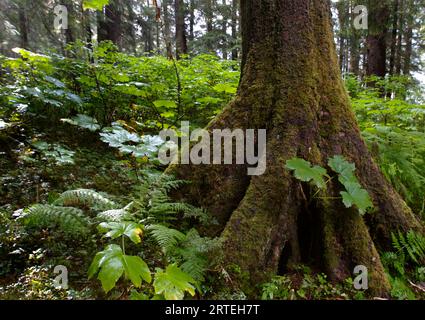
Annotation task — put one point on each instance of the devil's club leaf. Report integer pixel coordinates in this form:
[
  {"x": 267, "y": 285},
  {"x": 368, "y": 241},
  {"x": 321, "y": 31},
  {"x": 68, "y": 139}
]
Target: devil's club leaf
[
  {"x": 173, "y": 283},
  {"x": 112, "y": 264},
  {"x": 304, "y": 171},
  {"x": 357, "y": 196},
  {"x": 118, "y": 229},
  {"x": 344, "y": 169},
  {"x": 136, "y": 270},
  {"x": 354, "y": 194},
  {"x": 83, "y": 121}
]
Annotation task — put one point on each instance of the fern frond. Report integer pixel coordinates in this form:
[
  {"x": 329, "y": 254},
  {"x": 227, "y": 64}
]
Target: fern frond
[
  {"x": 166, "y": 237},
  {"x": 70, "y": 221},
  {"x": 84, "y": 198},
  {"x": 412, "y": 244}
]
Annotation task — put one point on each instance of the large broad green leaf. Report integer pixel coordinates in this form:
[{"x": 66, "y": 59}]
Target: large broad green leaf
[
  {"x": 357, "y": 196},
  {"x": 117, "y": 136},
  {"x": 83, "y": 121},
  {"x": 111, "y": 264},
  {"x": 94, "y": 4},
  {"x": 130, "y": 89},
  {"x": 304, "y": 171},
  {"x": 225, "y": 87},
  {"x": 173, "y": 283},
  {"x": 354, "y": 194},
  {"x": 55, "y": 81},
  {"x": 164, "y": 103},
  {"x": 344, "y": 169},
  {"x": 117, "y": 229}
]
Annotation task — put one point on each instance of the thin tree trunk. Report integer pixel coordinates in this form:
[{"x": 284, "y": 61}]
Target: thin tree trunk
[
  {"x": 224, "y": 30},
  {"x": 394, "y": 33},
  {"x": 408, "y": 39},
  {"x": 192, "y": 20},
  {"x": 181, "y": 43},
  {"x": 399, "y": 46},
  {"x": 111, "y": 24},
  {"x": 23, "y": 27},
  {"x": 234, "y": 29},
  {"x": 377, "y": 38},
  {"x": 167, "y": 29}
]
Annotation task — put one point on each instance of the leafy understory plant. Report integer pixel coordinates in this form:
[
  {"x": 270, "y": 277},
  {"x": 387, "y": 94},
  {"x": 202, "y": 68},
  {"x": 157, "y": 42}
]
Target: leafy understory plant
[
  {"x": 354, "y": 194},
  {"x": 55, "y": 153},
  {"x": 113, "y": 263}
]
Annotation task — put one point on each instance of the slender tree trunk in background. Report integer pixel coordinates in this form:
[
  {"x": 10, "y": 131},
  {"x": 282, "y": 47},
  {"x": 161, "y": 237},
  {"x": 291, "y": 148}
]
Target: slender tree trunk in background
[
  {"x": 355, "y": 55},
  {"x": 110, "y": 26},
  {"x": 208, "y": 11},
  {"x": 399, "y": 46},
  {"x": 130, "y": 26},
  {"x": 192, "y": 20},
  {"x": 395, "y": 15},
  {"x": 224, "y": 30},
  {"x": 354, "y": 51},
  {"x": 23, "y": 27},
  {"x": 377, "y": 38},
  {"x": 167, "y": 29},
  {"x": 234, "y": 29},
  {"x": 181, "y": 43},
  {"x": 69, "y": 34},
  {"x": 342, "y": 7},
  {"x": 408, "y": 39},
  {"x": 291, "y": 86},
  {"x": 158, "y": 38},
  {"x": 146, "y": 28}
]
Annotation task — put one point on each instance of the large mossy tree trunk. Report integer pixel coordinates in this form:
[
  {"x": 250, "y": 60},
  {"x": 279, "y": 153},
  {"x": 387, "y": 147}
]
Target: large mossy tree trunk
[{"x": 291, "y": 86}]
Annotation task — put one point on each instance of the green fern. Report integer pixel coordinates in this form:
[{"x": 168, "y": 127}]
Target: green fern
[
  {"x": 411, "y": 244},
  {"x": 70, "y": 221},
  {"x": 166, "y": 237},
  {"x": 154, "y": 203},
  {"x": 84, "y": 198}
]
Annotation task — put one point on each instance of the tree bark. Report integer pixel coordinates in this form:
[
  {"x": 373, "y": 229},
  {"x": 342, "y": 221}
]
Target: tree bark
[
  {"x": 234, "y": 29},
  {"x": 399, "y": 46},
  {"x": 291, "y": 86},
  {"x": 377, "y": 38},
  {"x": 110, "y": 25},
  {"x": 167, "y": 29},
  {"x": 394, "y": 33},
  {"x": 181, "y": 43},
  {"x": 192, "y": 20},
  {"x": 408, "y": 39},
  {"x": 343, "y": 18},
  {"x": 23, "y": 27}
]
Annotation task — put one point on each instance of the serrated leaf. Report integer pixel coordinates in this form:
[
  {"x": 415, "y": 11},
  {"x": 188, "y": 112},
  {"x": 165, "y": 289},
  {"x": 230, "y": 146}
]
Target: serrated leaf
[
  {"x": 225, "y": 87},
  {"x": 354, "y": 194},
  {"x": 117, "y": 136},
  {"x": 304, "y": 171},
  {"x": 173, "y": 283},
  {"x": 357, "y": 196},
  {"x": 117, "y": 229},
  {"x": 164, "y": 103},
  {"x": 112, "y": 264},
  {"x": 136, "y": 270},
  {"x": 83, "y": 121},
  {"x": 344, "y": 169}
]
